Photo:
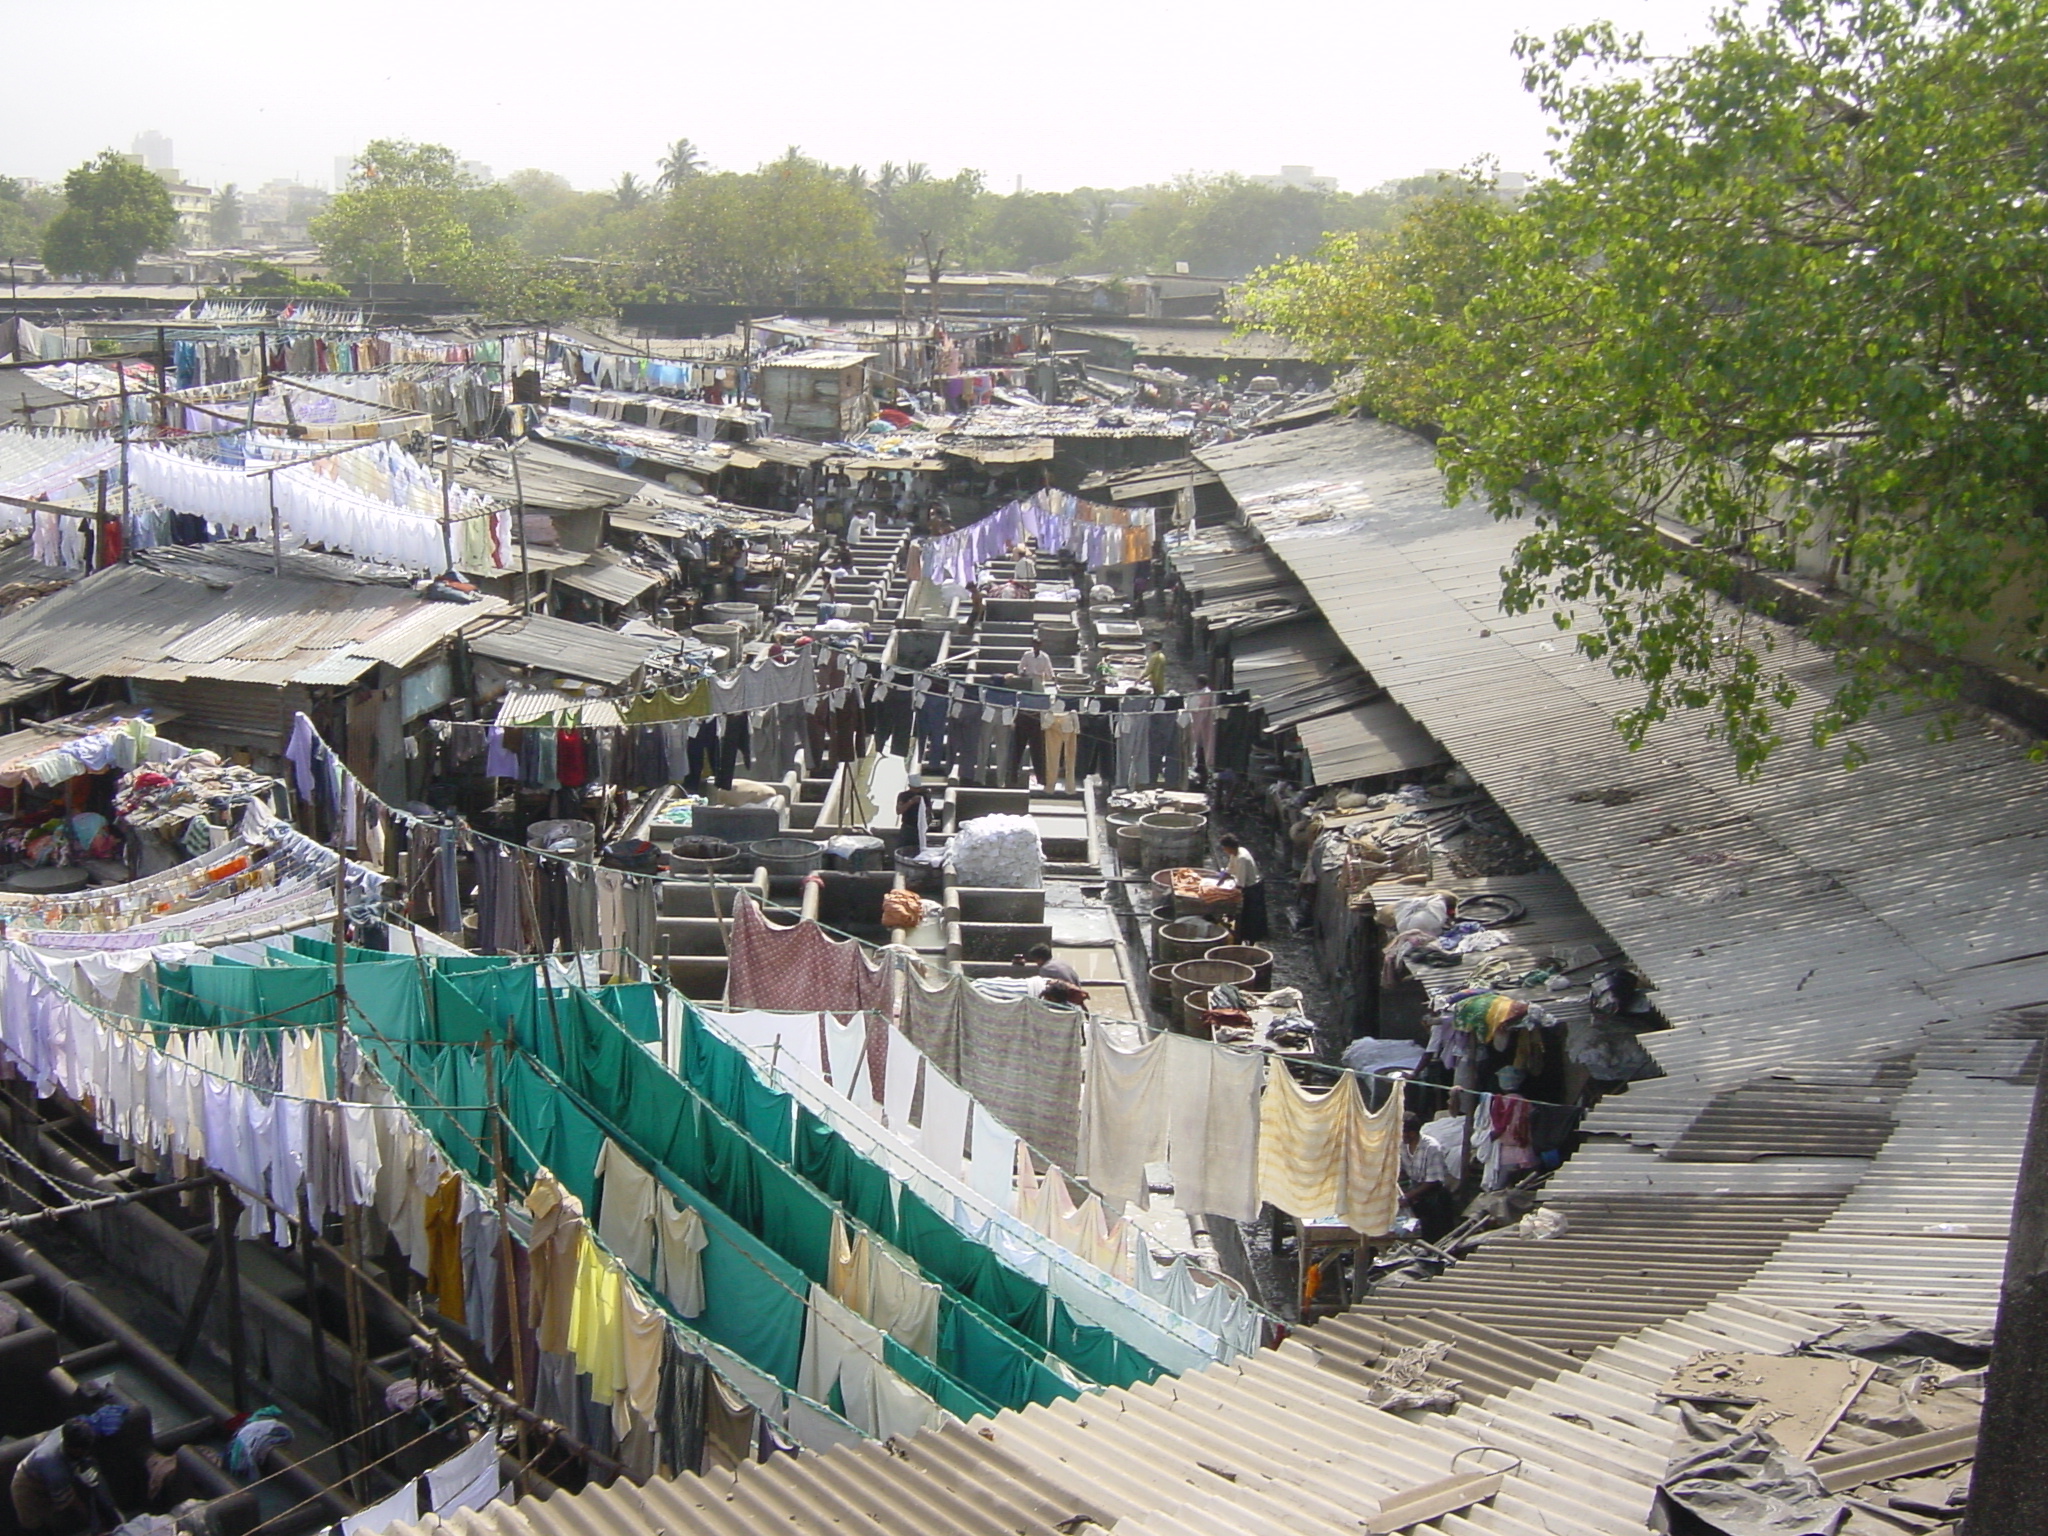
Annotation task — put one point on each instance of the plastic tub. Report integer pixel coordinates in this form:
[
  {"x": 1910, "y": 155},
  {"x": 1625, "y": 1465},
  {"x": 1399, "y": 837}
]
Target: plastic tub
[
  {"x": 786, "y": 855},
  {"x": 1253, "y": 955}
]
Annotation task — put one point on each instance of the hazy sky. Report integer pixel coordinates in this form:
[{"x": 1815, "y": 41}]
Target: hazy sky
[{"x": 1061, "y": 92}]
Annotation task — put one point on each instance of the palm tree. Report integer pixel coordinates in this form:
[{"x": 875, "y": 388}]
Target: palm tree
[
  {"x": 915, "y": 173},
  {"x": 629, "y": 193},
  {"x": 677, "y": 166}
]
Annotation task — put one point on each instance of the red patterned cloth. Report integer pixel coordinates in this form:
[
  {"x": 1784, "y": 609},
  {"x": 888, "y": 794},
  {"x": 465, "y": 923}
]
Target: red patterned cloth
[{"x": 798, "y": 968}]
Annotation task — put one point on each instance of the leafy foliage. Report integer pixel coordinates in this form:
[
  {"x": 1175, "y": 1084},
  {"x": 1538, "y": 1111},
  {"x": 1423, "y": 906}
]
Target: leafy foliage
[
  {"x": 265, "y": 281},
  {"x": 792, "y": 231},
  {"x": 1784, "y": 294},
  {"x": 114, "y": 213},
  {"x": 24, "y": 214},
  {"x": 224, "y": 224},
  {"x": 411, "y": 214}
]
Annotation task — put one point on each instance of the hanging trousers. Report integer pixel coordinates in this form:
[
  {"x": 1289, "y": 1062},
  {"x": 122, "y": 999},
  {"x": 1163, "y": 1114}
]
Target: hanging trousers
[
  {"x": 1062, "y": 739},
  {"x": 1026, "y": 736}
]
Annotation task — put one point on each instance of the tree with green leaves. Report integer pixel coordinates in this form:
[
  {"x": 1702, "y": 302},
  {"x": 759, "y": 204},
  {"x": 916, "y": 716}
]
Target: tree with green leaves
[
  {"x": 1782, "y": 294},
  {"x": 627, "y": 192},
  {"x": 265, "y": 280},
  {"x": 410, "y": 213},
  {"x": 678, "y": 165},
  {"x": 792, "y": 231},
  {"x": 114, "y": 213},
  {"x": 224, "y": 224},
  {"x": 1031, "y": 229},
  {"x": 24, "y": 215}
]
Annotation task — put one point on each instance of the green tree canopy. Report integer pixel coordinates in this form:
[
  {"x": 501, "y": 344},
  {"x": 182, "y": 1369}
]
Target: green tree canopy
[
  {"x": 1031, "y": 229},
  {"x": 412, "y": 214},
  {"x": 1785, "y": 293},
  {"x": 114, "y": 213},
  {"x": 791, "y": 231},
  {"x": 24, "y": 214}
]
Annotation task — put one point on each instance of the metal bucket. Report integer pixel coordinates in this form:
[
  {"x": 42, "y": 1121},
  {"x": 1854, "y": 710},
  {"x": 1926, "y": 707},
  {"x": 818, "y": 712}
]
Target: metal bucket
[
  {"x": 1200, "y": 975},
  {"x": 1253, "y": 955},
  {"x": 786, "y": 855},
  {"x": 1172, "y": 840},
  {"x": 1190, "y": 938}
]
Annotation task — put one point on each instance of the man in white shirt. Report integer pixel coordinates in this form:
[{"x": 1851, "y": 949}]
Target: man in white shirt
[
  {"x": 1427, "y": 1181},
  {"x": 1037, "y": 669},
  {"x": 862, "y": 527},
  {"x": 1239, "y": 864}
]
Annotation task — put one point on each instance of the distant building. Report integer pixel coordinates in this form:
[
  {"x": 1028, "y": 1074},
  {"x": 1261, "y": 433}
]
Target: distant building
[
  {"x": 278, "y": 212},
  {"x": 1301, "y": 177},
  {"x": 193, "y": 206},
  {"x": 153, "y": 151},
  {"x": 344, "y": 167},
  {"x": 476, "y": 170},
  {"x": 1508, "y": 186}
]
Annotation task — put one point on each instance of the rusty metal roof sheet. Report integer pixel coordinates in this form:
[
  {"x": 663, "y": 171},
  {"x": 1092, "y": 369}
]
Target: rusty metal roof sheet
[{"x": 128, "y": 621}]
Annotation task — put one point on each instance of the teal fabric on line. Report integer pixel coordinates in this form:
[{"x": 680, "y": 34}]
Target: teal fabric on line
[
  {"x": 1095, "y": 1352},
  {"x": 633, "y": 1004},
  {"x": 972, "y": 1269},
  {"x": 824, "y": 1157},
  {"x": 952, "y": 1395},
  {"x": 755, "y": 1302}
]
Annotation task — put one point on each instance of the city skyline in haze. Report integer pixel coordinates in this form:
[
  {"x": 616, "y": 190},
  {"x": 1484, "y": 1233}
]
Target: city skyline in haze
[{"x": 1081, "y": 96}]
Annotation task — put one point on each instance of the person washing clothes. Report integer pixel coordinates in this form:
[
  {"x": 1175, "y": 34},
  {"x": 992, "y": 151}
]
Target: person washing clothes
[
  {"x": 57, "y": 1486},
  {"x": 1038, "y": 961},
  {"x": 1426, "y": 1181},
  {"x": 1026, "y": 568},
  {"x": 914, "y": 815},
  {"x": 1244, "y": 869},
  {"x": 1155, "y": 667}
]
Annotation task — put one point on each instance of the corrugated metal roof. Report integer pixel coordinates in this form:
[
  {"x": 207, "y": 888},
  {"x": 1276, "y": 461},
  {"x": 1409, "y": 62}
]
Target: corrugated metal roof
[
  {"x": 819, "y": 360},
  {"x": 1814, "y": 913},
  {"x": 1298, "y": 671},
  {"x": 1023, "y": 421},
  {"x": 1365, "y": 741},
  {"x": 128, "y": 621},
  {"x": 556, "y": 646},
  {"x": 608, "y": 578}
]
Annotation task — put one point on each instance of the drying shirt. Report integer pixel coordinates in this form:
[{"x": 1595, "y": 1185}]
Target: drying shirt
[
  {"x": 681, "y": 1240},
  {"x": 625, "y": 1214}
]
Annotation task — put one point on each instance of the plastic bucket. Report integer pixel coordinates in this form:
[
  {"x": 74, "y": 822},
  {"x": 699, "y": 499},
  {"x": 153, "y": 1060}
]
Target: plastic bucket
[
  {"x": 786, "y": 855},
  {"x": 1173, "y": 840},
  {"x": 1190, "y": 938},
  {"x": 1253, "y": 955}
]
